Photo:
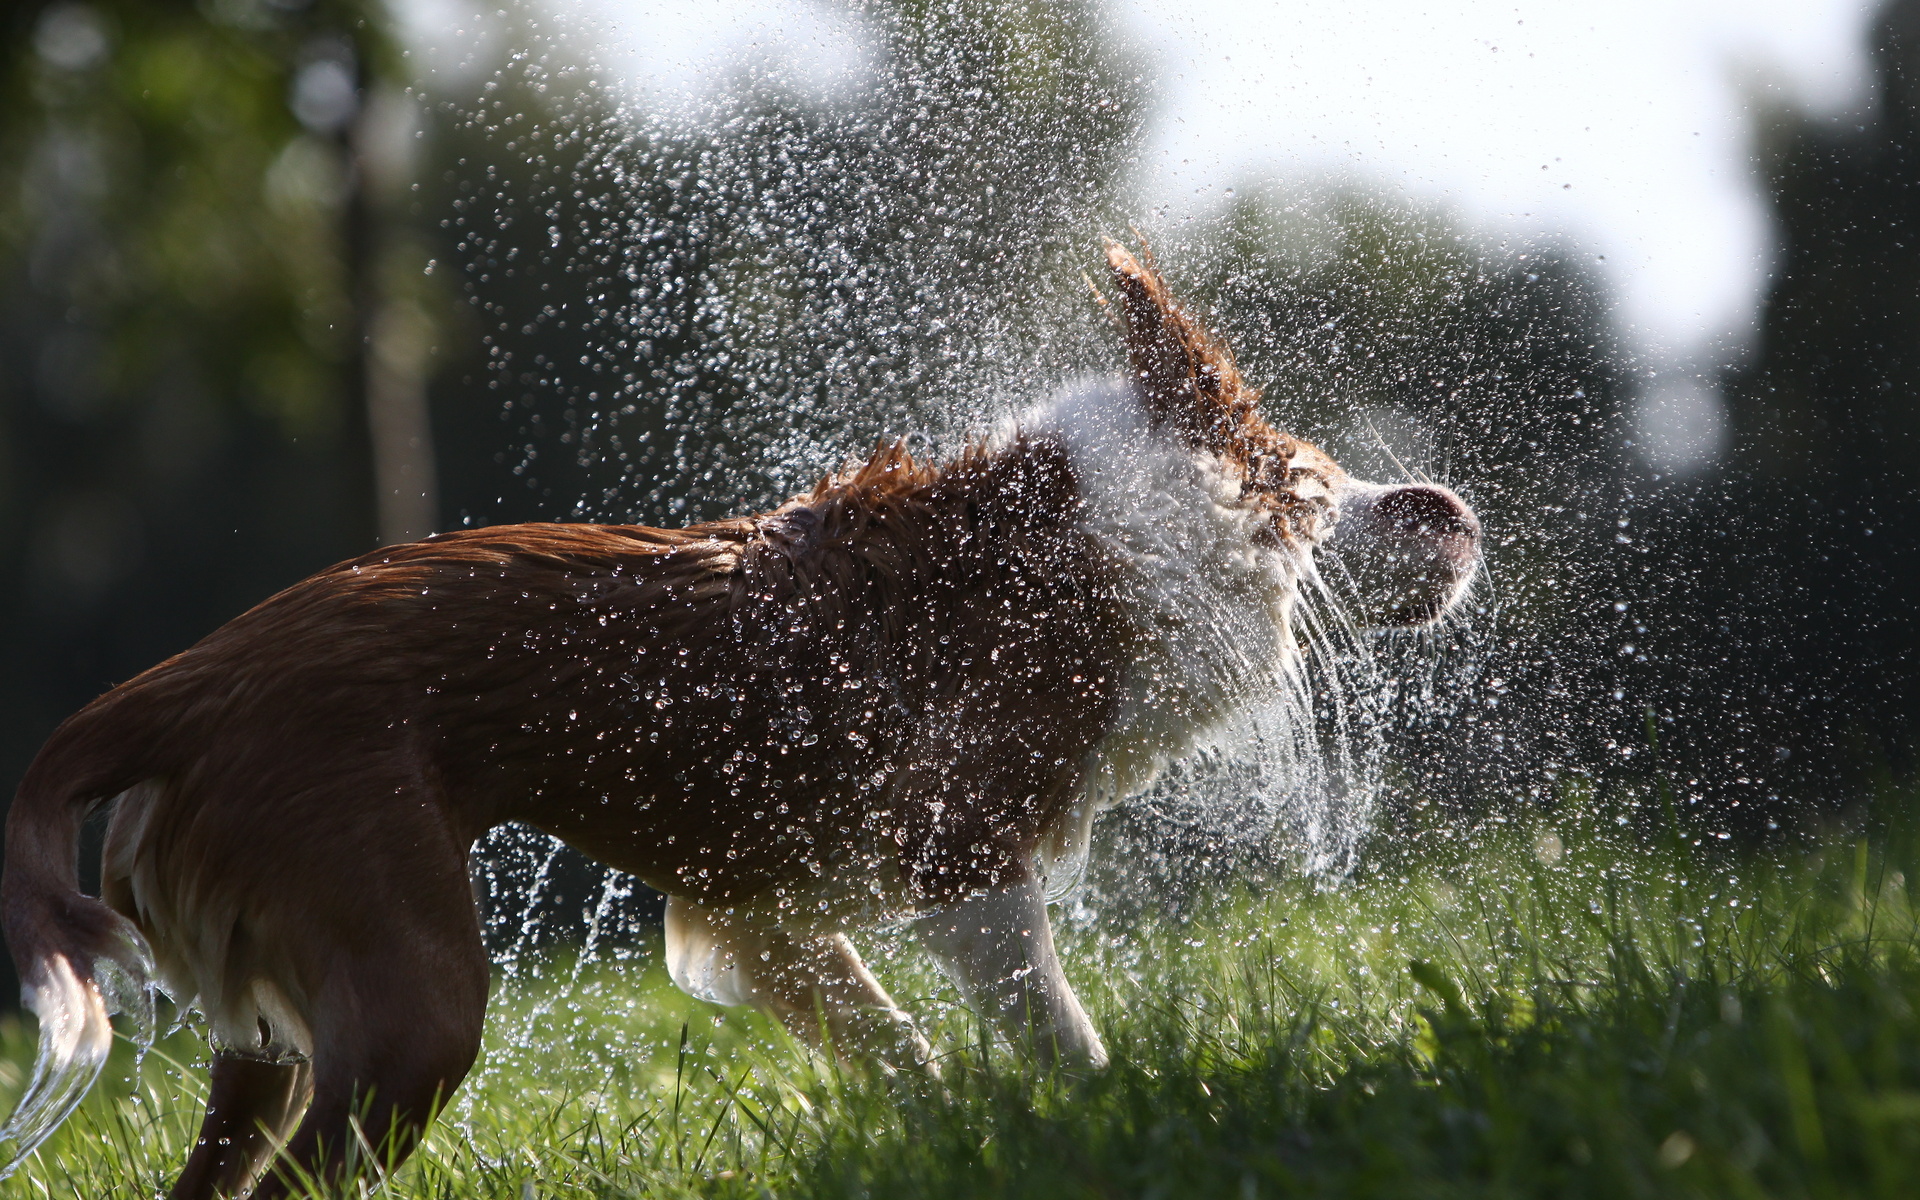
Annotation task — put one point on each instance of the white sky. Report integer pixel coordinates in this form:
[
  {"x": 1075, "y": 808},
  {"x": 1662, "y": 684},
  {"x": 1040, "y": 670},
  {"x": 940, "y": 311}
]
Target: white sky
[{"x": 1621, "y": 128}]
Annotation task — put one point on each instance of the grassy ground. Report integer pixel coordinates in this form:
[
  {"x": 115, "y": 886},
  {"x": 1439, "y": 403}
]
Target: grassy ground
[{"x": 1561, "y": 1009}]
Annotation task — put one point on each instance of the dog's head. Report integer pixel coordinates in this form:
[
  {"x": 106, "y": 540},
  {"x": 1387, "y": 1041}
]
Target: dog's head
[{"x": 1409, "y": 551}]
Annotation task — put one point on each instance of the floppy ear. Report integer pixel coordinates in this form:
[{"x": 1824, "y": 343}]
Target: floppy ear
[{"x": 1185, "y": 377}]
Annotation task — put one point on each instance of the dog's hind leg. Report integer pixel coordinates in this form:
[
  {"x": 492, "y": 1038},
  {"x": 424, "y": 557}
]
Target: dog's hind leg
[
  {"x": 814, "y": 983},
  {"x": 251, "y": 1108},
  {"x": 396, "y": 1017},
  {"x": 998, "y": 947},
  {"x": 391, "y": 1044}
]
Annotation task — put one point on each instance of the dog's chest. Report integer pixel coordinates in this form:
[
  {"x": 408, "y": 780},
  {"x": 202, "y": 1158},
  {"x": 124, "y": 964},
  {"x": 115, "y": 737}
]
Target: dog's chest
[{"x": 1208, "y": 593}]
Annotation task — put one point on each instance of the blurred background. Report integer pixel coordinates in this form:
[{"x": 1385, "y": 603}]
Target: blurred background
[{"x": 281, "y": 280}]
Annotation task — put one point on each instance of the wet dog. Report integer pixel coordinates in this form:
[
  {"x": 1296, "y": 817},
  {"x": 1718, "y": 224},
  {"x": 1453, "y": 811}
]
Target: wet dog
[{"x": 902, "y": 696}]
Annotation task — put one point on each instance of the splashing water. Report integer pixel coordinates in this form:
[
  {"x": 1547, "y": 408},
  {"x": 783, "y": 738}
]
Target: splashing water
[
  {"x": 698, "y": 310},
  {"x": 695, "y": 311}
]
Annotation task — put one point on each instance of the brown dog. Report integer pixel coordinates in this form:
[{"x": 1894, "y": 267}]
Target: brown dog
[{"x": 902, "y": 695}]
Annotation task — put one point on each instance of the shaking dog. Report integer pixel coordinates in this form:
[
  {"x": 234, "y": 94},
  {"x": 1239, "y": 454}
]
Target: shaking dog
[{"x": 897, "y": 698}]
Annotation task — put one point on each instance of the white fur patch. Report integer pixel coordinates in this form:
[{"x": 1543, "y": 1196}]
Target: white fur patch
[
  {"x": 702, "y": 960},
  {"x": 998, "y": 948},
  {"x": 1211, "y": 601}
]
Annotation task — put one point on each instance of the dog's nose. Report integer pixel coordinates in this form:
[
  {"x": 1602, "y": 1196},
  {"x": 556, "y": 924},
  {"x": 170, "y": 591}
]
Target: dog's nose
[
  {"x": 1423, "y": 510},
  {"x": 1407, "y": 550}
]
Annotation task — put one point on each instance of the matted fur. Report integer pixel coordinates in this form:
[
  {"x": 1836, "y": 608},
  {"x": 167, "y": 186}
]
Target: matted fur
[{"x": 900, "y": 695}]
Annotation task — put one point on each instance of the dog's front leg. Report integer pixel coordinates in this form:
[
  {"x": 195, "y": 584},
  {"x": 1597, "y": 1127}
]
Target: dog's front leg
[
  {"x": 815, "y": 984},
  {"x": 998, "y": 947}
]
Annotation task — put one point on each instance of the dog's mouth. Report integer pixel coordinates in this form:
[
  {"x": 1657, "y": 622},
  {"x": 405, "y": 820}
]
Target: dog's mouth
[{"x": 1401, "y": 554}]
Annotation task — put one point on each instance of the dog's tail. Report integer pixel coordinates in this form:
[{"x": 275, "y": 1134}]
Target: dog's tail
[{"x": 79, "y": 961}]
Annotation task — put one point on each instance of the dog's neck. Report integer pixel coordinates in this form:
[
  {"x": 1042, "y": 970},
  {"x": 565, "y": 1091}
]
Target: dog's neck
[{"x": 1207, "y": 588}]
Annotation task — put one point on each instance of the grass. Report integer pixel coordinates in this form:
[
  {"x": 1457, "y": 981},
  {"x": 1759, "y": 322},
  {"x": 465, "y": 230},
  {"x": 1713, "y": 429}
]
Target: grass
[{"x": 1573, "y": 1007}]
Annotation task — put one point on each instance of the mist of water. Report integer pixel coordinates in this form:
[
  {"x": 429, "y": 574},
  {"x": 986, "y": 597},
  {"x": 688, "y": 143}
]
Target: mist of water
[{"x": 780, "y": 276}]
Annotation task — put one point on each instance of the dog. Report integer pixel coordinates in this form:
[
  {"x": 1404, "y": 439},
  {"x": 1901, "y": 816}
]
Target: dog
[{"x": 901, "y": 697}]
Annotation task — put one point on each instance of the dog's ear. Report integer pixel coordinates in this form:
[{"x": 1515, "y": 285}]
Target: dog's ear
[{"x": 1185, "y": 376}]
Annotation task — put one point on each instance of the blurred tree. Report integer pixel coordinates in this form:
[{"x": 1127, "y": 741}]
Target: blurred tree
[
  {"x": 188, "y": 242},
  {"x": 689, "y": 318},
  {"x": 1782, "y": 592}
]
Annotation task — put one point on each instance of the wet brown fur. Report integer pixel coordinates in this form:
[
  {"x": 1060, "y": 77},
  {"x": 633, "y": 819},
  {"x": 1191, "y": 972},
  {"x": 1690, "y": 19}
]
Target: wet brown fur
[
  {"x": 1189, "y": 381},
  {"x": 897, "y": 677}
]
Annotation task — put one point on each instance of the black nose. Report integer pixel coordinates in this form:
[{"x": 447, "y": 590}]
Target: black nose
[{"x": 1422, "y": 509}]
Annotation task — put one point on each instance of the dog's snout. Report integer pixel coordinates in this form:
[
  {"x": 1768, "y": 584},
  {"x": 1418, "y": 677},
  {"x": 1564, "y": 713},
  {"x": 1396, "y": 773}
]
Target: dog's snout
[
  {"x": 1408, "y": 551},
  {"x": 1420, "y": 509}
]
